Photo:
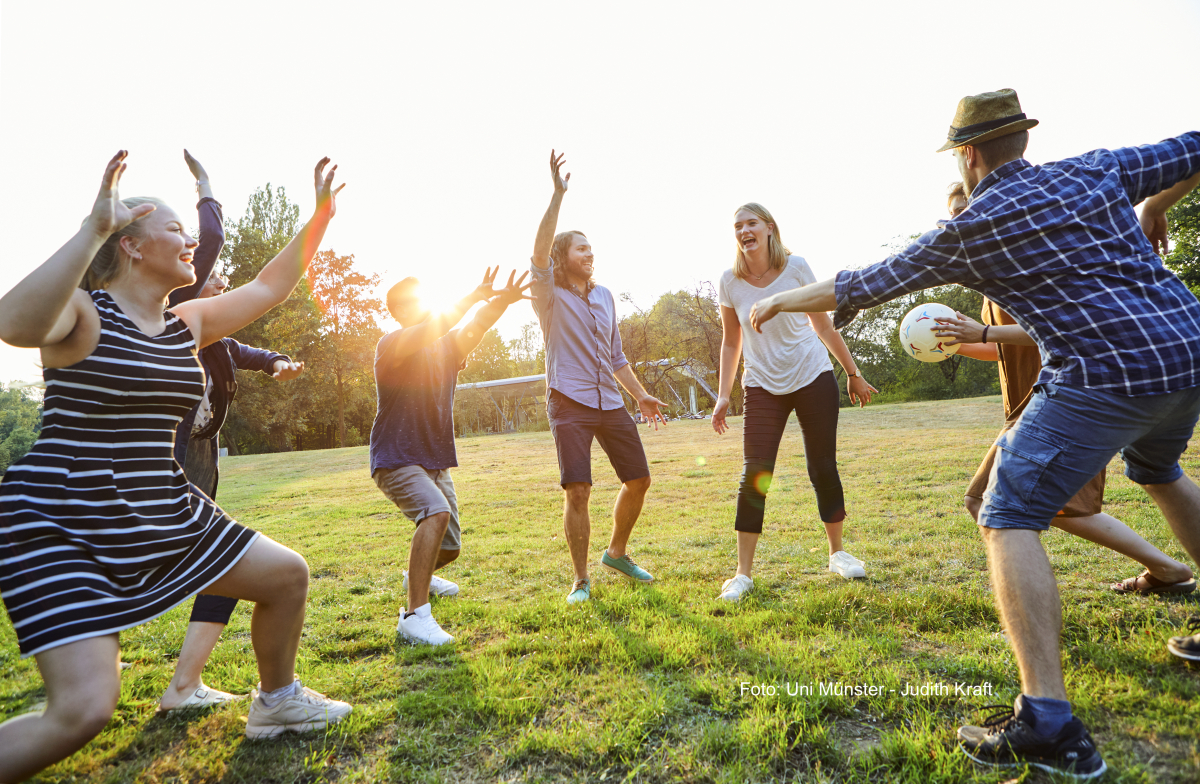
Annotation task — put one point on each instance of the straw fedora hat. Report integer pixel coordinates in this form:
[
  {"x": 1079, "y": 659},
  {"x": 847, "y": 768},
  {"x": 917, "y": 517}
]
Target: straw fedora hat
[{"x": 984, "y": 117}]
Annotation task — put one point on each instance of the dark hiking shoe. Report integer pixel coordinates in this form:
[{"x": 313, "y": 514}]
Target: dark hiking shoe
[
  {"x": 1006, "y": 739},
  {"x": 1187, "y": 647}
]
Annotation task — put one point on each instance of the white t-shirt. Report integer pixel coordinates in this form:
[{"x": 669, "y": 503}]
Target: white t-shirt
[{"x": 788, "y": 354}]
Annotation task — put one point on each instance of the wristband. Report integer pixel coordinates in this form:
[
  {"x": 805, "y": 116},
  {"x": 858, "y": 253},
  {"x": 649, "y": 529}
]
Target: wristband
[{"x": 985, "y": 329}]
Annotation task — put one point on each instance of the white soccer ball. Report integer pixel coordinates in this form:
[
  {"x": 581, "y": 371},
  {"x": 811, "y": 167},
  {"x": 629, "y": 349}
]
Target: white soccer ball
[{"x": 917, "y": 333}]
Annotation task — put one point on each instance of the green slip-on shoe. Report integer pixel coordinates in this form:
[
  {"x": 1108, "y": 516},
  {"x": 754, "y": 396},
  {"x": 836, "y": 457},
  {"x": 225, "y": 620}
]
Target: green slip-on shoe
[{"x": 625, "y": 566}]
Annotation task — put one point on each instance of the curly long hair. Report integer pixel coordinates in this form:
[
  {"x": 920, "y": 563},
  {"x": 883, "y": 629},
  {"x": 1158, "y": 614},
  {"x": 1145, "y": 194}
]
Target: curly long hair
[{"x": 558, "y": 254}]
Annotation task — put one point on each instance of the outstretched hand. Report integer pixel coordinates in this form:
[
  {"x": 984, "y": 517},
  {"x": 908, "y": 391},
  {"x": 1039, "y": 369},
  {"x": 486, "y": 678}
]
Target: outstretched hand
[
  {"x": 513, "y": 291},
  {"x": 484, "y": 290},
  {"x": 109, "y": 213},
  {"x": 560, "y": 182},
  {"x": 323, "y": 182},
  {"x": 195, "y": 168},
  {"x": 960, "y": 329},
  {"x": 286, "y": 371}
]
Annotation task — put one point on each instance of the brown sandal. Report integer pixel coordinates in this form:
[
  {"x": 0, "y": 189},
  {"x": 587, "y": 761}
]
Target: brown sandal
[{"x": 1146, "y": 584}]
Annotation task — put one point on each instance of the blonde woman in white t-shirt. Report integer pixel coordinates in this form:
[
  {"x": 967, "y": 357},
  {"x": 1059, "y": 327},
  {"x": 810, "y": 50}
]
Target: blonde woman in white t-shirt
[{"x": 787, "y": 369}]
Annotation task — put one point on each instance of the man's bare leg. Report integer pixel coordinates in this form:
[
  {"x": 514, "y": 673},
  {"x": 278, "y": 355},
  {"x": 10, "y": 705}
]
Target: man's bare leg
[
  {"x": 423, "y": 555},
  {"x": 577, "y": 525},
  {"x": 625, "y": 514},
  {"x": 445, "y": 557},
  {"x": 1030, "y": 607}
]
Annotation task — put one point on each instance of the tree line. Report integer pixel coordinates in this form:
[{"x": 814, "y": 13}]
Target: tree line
[{"x": 332, "y": 322}]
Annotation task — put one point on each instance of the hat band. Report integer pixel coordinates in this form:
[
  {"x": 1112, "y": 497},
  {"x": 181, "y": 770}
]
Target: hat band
[{"x": 971, "y": 131}]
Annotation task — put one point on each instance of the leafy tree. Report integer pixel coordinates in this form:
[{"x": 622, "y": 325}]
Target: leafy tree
[
  {"x": 489, "y": 361},
  {"x": 1183, "y": 226},
  {"x": 348, "y": 331},
  {"x": 20, "y": 422}
]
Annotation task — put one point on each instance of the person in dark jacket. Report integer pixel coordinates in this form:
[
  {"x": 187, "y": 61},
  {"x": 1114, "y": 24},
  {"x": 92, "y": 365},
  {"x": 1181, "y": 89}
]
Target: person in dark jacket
[{"x": 196, "y": 445}]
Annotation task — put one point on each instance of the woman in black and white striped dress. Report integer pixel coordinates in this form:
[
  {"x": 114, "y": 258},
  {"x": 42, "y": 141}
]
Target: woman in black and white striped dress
[{"x": 99, "y": 529}]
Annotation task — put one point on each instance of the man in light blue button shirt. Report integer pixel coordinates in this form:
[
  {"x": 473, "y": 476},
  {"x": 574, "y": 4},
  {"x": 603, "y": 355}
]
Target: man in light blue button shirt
[{"x": 584, "y": 361}]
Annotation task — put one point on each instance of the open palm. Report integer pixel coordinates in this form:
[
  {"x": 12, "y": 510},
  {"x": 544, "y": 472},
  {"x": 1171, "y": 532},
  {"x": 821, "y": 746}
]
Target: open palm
[{"x": 109, "y": 213}]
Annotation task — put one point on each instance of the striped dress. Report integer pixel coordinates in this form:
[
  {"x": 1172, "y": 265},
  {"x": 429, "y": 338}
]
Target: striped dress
[{"x": 99, "y": 529}]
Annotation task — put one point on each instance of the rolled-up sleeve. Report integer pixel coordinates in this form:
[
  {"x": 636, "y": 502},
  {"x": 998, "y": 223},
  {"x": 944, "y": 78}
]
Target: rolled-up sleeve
[
  {"x": 1152, "y": 168},
  {"x": 542, "y": 289},
  {"x": 618, "y": 353},
  {"x": 935, "y": 259}
]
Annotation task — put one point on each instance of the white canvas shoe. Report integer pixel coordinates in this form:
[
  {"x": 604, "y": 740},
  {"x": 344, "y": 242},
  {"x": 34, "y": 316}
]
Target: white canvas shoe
[
  {"x": 437, "y": 586},
  {"x": 846, "y": 565},
  {"x": 421, "y": 628},
  {"x": 304, "y": 711},
  {"x": 734, "y": 587}
]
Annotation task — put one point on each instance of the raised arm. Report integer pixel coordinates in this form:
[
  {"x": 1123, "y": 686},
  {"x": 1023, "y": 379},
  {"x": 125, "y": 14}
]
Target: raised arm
[
  {"x": 216, "y": 317},
  {"x": 212, "y": 234},
  {"x": 731, "y": 352},
  {"x": 468, "y": 337},
  {"x": 549, "y": 224},
  {"x": 415, "y": 338},
  {"x": 43, "y": 308}
]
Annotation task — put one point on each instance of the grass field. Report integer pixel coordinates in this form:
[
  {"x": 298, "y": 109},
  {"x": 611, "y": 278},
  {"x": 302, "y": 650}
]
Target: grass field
[{"x": 644, "y": 684}]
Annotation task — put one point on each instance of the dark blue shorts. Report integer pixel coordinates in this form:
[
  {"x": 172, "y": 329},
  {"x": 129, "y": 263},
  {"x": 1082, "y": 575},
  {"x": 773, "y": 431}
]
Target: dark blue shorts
[
  {"x": 1067, "y": 435},
  {"x": 574, "y": 425}
]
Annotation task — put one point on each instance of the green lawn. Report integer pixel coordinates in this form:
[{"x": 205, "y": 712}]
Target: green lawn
[{"x": 645, "y": 684}]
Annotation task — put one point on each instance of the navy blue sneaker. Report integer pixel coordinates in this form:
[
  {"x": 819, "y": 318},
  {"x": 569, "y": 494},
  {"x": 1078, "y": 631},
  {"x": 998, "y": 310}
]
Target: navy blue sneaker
[{"x": 1007, "y": 740}]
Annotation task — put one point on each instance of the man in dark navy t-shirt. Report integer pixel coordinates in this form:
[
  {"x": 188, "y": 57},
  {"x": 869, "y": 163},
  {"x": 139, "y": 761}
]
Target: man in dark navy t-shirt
[{"x": 412, "y": 440}]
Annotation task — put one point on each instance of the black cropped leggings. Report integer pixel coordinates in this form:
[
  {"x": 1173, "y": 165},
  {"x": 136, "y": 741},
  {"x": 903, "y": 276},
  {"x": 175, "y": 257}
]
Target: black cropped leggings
[
  {"x": 816, "y": 406},
  {"x": 200, "y": 467}
]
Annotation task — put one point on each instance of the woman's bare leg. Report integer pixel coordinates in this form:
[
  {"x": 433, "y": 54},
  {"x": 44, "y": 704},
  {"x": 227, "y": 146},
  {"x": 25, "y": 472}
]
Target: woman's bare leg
[
  {"x": 83, "y": 683},
  {"x": 746, "y": 543},
  {"x": 276, "y": 580},
  {"x": 1108, "y": 531},
  {"x": 198, "y": 644}
]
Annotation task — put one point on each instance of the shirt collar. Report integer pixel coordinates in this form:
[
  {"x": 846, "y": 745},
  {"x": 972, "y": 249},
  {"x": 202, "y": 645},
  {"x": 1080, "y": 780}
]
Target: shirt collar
[{"x": 999, "y": 173}]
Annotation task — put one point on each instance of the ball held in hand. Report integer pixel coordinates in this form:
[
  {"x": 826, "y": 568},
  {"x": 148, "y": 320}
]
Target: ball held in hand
[{"x": 918, "y": 333}]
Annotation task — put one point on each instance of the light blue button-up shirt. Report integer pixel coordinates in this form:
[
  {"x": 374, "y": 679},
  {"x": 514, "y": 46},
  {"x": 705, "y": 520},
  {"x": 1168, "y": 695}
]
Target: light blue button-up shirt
[{"x": 583, "y": 345}]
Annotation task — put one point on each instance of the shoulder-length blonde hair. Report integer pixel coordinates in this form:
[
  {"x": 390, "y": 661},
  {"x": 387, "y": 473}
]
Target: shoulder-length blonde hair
[
  {"x": 111, "y": 262},
  {"x": 777, "y": 252}
]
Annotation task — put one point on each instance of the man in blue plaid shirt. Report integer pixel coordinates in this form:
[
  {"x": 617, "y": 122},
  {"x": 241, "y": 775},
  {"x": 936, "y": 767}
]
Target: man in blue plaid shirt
[{"x": 1060, "y": 248}]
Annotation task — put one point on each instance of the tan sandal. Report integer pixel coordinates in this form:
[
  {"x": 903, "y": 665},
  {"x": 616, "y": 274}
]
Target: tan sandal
[{"x": 1146, "y": 584}]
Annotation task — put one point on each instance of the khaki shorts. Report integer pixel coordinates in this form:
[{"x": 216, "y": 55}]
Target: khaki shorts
[
  {"x": 1085, "y": 503},
  {"x": 420, "y": 493}
]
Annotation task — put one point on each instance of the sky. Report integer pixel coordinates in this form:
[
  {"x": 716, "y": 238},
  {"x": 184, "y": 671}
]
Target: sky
[{"x": 442, "y": 116}]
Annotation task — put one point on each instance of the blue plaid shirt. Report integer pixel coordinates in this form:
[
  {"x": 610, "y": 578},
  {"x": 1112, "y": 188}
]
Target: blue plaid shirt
[{"x": 1059, "y": 247}]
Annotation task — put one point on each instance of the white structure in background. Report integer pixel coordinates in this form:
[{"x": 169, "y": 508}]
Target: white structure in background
[{"x": 526, "y": 393}]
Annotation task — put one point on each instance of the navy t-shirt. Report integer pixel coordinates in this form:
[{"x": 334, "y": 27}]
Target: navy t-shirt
[{"x": 414, "y": 423}]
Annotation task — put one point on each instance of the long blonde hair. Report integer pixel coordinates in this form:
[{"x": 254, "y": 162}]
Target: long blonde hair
[
  {"x": 777, "y": 252},
  {"x": 111, "y": 262}
]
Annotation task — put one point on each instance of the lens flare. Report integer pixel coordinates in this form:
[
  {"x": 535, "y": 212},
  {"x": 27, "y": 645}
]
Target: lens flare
[{"x": 762, "y": 481}]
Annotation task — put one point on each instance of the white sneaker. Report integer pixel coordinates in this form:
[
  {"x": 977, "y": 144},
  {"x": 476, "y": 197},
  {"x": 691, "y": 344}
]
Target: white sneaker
[
  {"x": 846, "y": 565},
  {"x": 303, "y": 711},
  {"x": 437, "y": 586},
  {"x": 734, "y": 587},
  {"x": 421, "y": 628}
]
